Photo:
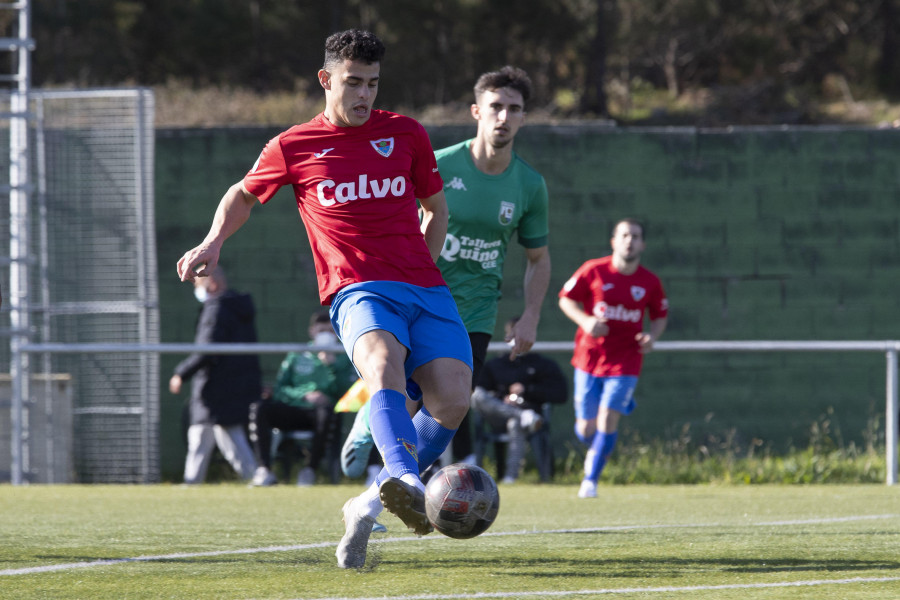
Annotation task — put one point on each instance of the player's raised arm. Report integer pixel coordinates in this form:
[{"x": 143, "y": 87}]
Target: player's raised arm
[
  {"x": 232, "y": 212},
  {"x": 435, "y": 216}
]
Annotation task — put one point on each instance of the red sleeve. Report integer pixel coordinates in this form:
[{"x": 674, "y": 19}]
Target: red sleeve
[
  {"x": 424, "y": 172},
  {"x": 269, "y": 173},
  {"x": 658, "y": 306},
  {"x": 577, "y": 288}
]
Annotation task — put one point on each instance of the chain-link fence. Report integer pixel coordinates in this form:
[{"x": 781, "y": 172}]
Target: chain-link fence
[{"x": 91, "y": 277}]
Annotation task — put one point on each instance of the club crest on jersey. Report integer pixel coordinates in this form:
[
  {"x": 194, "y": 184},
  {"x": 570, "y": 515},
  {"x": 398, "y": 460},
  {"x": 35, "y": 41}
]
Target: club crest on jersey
[
  {"x": 507, "y": 210},
  {"x": 383, "y": 146},
  {"x": 637, "y": 292}
]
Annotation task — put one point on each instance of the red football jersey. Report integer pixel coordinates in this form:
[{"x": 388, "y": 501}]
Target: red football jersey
[
  {"x": 356, "y": 189},
  {"x": 622, "y": 300}
]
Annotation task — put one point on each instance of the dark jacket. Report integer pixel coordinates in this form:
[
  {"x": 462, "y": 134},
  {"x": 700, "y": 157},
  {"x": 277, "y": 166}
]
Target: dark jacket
[
  {"x": 223, "y": 385},
  {"x": 543, "y": 379}
]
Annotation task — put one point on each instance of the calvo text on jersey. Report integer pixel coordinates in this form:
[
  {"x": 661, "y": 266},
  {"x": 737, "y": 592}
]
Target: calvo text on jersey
[
  {"x": 329, "y": 192},
  {"x": 617, "y": 313}
]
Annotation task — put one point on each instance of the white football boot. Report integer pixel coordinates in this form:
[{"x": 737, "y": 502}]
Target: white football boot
[
  {"x": 351, "y": 550},
  {"x": 588, "y": 489}
]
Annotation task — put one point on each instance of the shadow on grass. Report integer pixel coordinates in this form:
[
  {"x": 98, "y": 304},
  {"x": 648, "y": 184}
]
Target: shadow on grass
[{"x": 636, "y": 567}]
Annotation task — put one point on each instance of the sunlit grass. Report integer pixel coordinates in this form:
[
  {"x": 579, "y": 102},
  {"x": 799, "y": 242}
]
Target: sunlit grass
[{"x": 279, "y": 543}]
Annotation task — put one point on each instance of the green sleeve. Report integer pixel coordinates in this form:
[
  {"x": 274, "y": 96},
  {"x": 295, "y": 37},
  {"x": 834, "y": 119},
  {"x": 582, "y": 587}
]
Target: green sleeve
[{"x": 534, "y": 228}]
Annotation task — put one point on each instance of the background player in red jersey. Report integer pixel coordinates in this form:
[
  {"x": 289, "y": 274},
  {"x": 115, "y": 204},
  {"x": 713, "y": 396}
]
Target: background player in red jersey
[
  {"x": 356, "y": 173},
  {"x": 607, "y": 298}
]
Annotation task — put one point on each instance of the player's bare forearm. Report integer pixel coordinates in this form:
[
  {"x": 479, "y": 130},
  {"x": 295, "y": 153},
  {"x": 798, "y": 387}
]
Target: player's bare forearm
[
  {"x": 535, "y": 284},
  {"x": 435, "y": 216},
  {"x": 573, "y": 311},
  {"x": 232, "y": 212},
  {"x": 589, "y": 323},
  {"x": 657, "y": 327}
]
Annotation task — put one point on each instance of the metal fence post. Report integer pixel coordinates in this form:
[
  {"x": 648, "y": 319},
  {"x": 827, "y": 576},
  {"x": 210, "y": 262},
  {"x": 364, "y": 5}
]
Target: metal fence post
[{"x": 891, "y": 415}]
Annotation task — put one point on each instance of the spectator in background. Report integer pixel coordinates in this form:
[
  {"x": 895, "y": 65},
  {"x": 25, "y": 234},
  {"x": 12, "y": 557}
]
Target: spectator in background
[
  {"x": 510, "y": 394},
  {"x": 306, "y": 390},
  {"x": 607, "y": 298},
  {"x": 222, "y": 385}
]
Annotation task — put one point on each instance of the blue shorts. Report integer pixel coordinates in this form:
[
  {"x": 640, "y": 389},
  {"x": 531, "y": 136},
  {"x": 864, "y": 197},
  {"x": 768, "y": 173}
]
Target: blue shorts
[
  {"x": 425, "y": 320},
  {"x": 591, "y": 392}
]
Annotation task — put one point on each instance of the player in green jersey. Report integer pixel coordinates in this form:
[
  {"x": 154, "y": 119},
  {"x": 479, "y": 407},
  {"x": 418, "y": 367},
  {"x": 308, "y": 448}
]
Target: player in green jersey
[{"x": 491, "y": 194}]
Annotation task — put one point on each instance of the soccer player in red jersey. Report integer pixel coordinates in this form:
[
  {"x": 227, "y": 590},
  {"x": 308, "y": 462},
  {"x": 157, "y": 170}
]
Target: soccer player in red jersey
[
  {"x": 356, "y": 173},
  {"x": 607, "y": 298}
]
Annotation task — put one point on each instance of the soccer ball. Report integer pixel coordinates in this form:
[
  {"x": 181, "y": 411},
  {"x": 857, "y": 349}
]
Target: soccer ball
[{"x": 461, "y": 500}]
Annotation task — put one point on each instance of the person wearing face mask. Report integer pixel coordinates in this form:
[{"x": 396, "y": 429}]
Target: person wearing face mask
[
  {"x": 222, "y": 385},
  {"x": 307, "y": 387}
]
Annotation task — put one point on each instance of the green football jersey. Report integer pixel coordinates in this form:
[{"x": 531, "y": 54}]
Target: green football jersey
[{"x": 485, "y": 210}]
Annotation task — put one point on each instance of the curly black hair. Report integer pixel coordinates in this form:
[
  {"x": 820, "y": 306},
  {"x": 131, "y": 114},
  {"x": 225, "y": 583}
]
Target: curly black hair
[{"x": 353, "y": 44}]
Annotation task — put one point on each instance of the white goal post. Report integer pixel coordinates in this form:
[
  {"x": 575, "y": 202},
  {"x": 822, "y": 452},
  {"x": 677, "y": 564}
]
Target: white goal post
[{"x": 889, "y": 348}]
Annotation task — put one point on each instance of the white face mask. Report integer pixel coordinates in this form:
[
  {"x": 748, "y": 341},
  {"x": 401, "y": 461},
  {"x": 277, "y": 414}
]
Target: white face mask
[
  {"x": 325, "y": 338},
  {"x": 200, "y": 294}
]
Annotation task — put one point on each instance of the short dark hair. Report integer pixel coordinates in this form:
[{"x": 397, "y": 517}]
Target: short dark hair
[
  {"x": 630, "y": 221},
  {"x": 508, "y": 76},
  {"x": 353, "y": 44}
]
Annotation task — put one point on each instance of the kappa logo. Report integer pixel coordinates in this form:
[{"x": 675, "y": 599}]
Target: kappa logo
[
  {"x": 507, "y": 210},
  {"x": 608, "y": 286},
  {"x": 384, "y": 146},
  {"x": 322, "y": 153},
  {"x": 638, "y": 293},
  {"x": 457, "y": 184}
]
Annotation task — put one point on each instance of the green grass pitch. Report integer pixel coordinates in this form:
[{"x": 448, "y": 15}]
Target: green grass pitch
[{"x": 230, "y": 541}]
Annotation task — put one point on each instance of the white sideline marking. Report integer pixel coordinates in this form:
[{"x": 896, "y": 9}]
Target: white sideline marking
[
  {"x": 646, "y": 590},
  {"x": 117, "y": 561}
]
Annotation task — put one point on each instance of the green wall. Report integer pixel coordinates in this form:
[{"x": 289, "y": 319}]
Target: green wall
[{"x": 757, "y": 234}]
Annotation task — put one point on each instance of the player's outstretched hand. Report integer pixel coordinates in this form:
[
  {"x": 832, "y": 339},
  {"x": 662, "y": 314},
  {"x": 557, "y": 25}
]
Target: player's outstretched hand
[{"x": 198, "y": 262}]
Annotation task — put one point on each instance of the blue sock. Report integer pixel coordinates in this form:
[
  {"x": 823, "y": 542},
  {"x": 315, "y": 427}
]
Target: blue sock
[
  {"x": 601, "y": 448},
  {"x": 433, "y": 438},
  {"x": 394, "y": 433}
]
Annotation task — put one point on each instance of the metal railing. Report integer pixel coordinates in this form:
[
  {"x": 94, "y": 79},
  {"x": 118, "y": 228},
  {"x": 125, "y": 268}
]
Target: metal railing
[{"x": 889, "y": 348}]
